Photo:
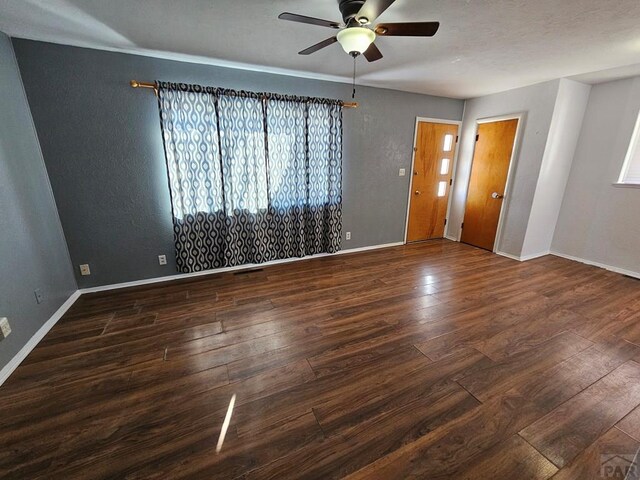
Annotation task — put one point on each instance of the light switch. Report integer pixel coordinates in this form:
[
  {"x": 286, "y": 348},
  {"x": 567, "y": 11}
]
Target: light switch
[{"x": 402, "y": 172}]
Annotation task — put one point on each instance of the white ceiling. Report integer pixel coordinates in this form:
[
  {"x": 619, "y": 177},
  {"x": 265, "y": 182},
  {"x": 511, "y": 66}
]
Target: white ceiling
[{"x": 483, "y": 46}]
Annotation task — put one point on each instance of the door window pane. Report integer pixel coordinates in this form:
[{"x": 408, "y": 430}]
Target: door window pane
[
  {"x": 444, "y": 166},
  {"x": 442, "y": 189},
  {"x": 448, "y": 142}
]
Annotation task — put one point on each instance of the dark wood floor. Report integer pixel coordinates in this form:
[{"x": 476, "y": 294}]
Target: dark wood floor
[{"x": 430, "y": 361}]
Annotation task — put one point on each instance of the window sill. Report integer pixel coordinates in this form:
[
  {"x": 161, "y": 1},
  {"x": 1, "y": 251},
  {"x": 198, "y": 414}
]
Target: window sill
[{"x": 626, "y": 185}]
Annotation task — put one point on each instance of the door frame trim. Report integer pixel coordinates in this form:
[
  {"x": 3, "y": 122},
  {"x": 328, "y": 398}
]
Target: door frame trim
[
  {"x": 454, "y": 163},
  {"x": 520, "y": 116}
]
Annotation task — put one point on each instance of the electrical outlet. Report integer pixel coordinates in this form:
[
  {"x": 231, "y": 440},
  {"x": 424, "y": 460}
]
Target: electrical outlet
[
  {"x": 85, "y": 270},
  {"x": 5, "y": 328},
  {"x": 38, "y": 294},
  {"x": 162, "y": 259},
  {"x": 348, "y": 235},
  {"x": 402, "y": 172}
]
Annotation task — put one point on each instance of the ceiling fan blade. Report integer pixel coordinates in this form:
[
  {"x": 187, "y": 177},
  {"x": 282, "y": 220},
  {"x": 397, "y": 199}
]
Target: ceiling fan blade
[
  {"x": 413, "y": 29},
  {"x": 318, "y": 46},
  {"x": 294, "y": 17},
  {"x": 372, "y": 9},
  {"x": 372, "y": 53}
]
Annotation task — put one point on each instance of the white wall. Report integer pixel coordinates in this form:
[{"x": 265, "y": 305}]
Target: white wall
[
  {"x": 566, "y": 123},
  {"x": 598, "y": 222},
  {"x": 537, "y": 102}
]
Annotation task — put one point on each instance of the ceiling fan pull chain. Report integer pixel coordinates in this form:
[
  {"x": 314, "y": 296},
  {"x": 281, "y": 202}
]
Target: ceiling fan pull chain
[{"x": 353, "y": 94}]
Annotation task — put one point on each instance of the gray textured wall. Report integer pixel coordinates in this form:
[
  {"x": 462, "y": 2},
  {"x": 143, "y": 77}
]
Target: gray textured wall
[
  {"x": 598, "y": 221},
  {"x": 103, "y": 149},
  {"x": 33, "y": 253}
]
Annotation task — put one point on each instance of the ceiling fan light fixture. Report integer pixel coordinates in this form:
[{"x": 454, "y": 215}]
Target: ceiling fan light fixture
[{"x": 356, "y": 39}]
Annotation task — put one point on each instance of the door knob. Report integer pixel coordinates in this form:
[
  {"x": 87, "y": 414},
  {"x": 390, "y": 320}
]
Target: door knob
[
  {"x": 417, "y": 192},
  {"x": 496, "y": 195}
]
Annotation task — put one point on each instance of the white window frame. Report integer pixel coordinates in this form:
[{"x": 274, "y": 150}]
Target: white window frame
[{"x": 633, "y": 155}]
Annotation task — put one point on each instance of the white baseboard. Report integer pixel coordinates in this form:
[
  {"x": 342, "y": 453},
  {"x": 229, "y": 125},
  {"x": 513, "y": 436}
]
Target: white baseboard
[
  {"x": 522, "y": 258},
  {"x": 249, "y": 266},
  {"x": 611, "y": 268},
  {"x": 361, "y": 249},
  {"x": 508, "y": 255},
  {"x": 449, "y": 237},
  {"x": 39, "y": 335}
]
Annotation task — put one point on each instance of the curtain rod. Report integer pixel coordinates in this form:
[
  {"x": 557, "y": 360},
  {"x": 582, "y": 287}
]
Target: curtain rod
[{"x": 154, "y": 87}]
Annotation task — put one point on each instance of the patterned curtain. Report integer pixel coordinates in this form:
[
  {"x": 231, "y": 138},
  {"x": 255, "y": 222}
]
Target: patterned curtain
[{"x": 253, "y": 177}]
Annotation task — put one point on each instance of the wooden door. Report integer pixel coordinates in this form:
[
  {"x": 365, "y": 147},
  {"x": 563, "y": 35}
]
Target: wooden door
[
  {"x": 491, "y": 160},
  {"x": 431, "y": 180}
]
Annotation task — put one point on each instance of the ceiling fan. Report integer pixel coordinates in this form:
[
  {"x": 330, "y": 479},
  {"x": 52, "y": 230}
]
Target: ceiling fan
[{"x": 355, "y": 34}]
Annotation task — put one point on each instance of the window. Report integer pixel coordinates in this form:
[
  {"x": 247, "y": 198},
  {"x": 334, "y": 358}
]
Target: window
[
  {"x": 444, "y": 166},
  {"x": 448, "y": 142},
  {"x": 253, "y": 177},
  {"x": 631, "y": 168},
  {"x": 244, "y": 153},
  {"x": 442, "y": 189}
]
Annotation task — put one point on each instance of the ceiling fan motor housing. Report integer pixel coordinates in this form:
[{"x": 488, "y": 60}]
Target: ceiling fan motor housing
[{"x": 349, "y": 10}]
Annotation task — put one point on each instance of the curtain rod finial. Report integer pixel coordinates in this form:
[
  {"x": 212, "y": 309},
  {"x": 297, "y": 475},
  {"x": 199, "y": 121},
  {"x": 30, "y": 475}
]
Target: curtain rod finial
[{"x": 137, "y": 84}]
